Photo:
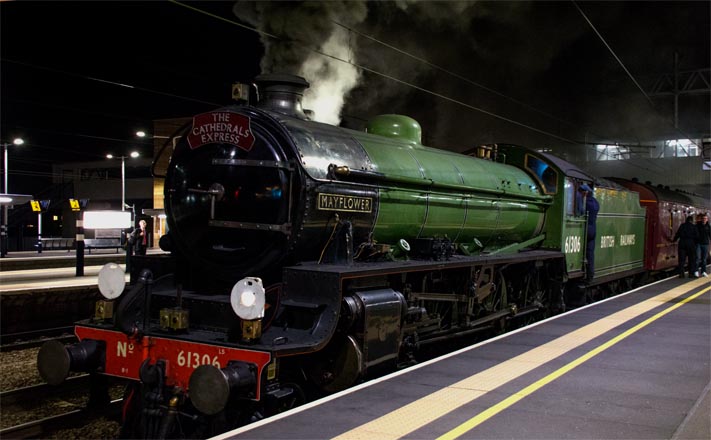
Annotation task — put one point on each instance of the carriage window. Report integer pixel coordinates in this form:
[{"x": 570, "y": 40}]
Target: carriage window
[{"x": 547, "y": 176}]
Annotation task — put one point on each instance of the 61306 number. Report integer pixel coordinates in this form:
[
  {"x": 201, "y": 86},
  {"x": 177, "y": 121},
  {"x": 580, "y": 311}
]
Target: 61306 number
[
  {"x": 192, "y": 359},
  {"x": 572, "y": 244}
]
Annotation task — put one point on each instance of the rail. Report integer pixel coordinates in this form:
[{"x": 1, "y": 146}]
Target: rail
[{"x": 35, "y": 338}]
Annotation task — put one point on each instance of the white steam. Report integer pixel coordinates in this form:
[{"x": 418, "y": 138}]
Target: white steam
[
  {"x": 302, "y": 29},
  {"x": 331, "y": 80}
]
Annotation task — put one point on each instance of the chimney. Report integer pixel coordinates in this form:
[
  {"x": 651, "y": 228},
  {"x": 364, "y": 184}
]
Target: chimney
[{"x": 282, "y": 93}]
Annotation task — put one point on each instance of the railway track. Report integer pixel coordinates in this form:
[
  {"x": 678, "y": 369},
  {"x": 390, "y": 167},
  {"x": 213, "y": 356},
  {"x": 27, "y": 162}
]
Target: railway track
[
  {"x": 30, "y": 312},
  {"x": 35, "y": 338},
  {"x": 44, "y": 427},
  {"x": 38, "y": 411},
  {"x": 43, "y": 390}
]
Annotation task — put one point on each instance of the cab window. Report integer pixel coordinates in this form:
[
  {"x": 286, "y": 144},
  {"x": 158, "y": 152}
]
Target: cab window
[
  {"x": 570, "y": 197},
  {"x": 546, "y": 176},
  {"x": 575, "y": 198}
]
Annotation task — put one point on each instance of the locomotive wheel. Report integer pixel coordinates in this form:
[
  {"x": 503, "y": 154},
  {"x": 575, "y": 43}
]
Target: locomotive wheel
[
  {"x": 296, "y": 398},
  {"x": 339, "y": 366}
]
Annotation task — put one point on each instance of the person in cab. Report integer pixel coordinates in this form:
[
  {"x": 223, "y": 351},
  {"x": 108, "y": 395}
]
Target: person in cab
[{"x": 592, "y": 207}]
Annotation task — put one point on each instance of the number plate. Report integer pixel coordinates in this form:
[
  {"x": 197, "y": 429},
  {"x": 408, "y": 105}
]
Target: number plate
[{"x": 125, "y": 355}]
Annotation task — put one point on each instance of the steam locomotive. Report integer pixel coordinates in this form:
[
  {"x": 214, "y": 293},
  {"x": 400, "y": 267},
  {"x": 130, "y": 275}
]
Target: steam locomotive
[{"x": 305, "y": 258}]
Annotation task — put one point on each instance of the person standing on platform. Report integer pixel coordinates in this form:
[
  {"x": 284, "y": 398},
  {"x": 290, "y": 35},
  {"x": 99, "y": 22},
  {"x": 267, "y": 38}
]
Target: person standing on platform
[
  {"x": 702, "y": 248},
  {"x": 592, "y": 207},
  {"x": 688, "y": 236},
  {"x": 141, "y": 238}
]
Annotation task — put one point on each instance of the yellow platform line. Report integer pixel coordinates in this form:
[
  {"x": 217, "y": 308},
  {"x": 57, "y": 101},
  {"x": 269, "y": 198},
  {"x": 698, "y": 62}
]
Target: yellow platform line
[
  {"x": 425, "y": 410},
  {"x": 506, "y": 403}
]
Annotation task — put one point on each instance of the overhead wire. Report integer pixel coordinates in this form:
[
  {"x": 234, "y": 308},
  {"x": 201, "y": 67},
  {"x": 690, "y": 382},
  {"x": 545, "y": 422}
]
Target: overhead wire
[
  {"x": 619, "y": 61},
  {"x": 114, "y": 83},
  {"x": 81, "y": 135},
  {"x": 392, "y": 78},
  {"x": 93, "y": 112},
  {"x": 629, "y": 74},
  {"x": 375, "y": 72},
  {"x": 63, "y": 150},
  {"x": 364, "y": 68},
  {"x": 467, "y": 80},
  {"x": 447, "y": 98},
  {"x": 25, "y": 172},
  {"x": 30, "y": 173},
  {"x": 452, "y": 73},
  {"x": 402, "y": 81}
]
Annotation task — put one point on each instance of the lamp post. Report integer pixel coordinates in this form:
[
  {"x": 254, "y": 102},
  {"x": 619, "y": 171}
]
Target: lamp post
[
  {"x": 133, "y": 154},
  {"x": 5, "y": 208},
  {"x": 174, "y": 139}
]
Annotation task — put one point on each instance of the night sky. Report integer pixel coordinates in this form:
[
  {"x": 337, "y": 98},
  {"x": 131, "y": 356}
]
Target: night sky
[{"x": 534, "y": 73}]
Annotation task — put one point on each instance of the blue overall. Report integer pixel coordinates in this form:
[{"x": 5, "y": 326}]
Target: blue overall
[{"x": 592, "y": 208}]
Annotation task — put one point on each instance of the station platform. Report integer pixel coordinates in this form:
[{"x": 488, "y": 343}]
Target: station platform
[
  {"x": 54, "y": 270},
  {"x": 49, "y": 254},
  {"x": 41, "y": 292},
  {"x": 635, "y": 366},
  {"x": 17, "y": 281}
]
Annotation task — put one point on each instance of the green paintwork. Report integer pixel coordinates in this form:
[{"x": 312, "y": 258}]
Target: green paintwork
[
  {"x": 619, "y": 244},
  {"x": 396, "y": 126},
  {"x": 425, "y": 192},
  {"x": 572, "y": 236},
  {"x": 515, "y": 247},
  {"x": 401, "y": 215},
  {"x": 620, "y": 217}
]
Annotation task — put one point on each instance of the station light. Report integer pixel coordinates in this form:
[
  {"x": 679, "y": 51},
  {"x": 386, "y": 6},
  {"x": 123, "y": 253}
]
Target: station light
[
  {"x": 107, "y": 220},
  {"x": 6, "y": 191},
  {"x": 133, "y": 154}
]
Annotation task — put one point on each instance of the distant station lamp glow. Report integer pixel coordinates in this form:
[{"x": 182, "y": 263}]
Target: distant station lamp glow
[
  {"x": 143, "y": 134},
  {"x": 133, "y": 154},
  {"x": 612, "y": 152},
  {"x": 107, "y": 220},
  {"x": 16, "y": 141},
  {"x": 14, "y": 199},
  {"x": 680, "y": 148},
  {"x": 3, "y": 227}
]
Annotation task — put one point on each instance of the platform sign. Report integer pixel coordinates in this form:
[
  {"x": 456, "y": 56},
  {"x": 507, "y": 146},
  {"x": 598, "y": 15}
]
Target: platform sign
[
  {"x": 107, "y": 219},
  {"x": 74, "y": 204},
  {"x": 39, "y": 205}
]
